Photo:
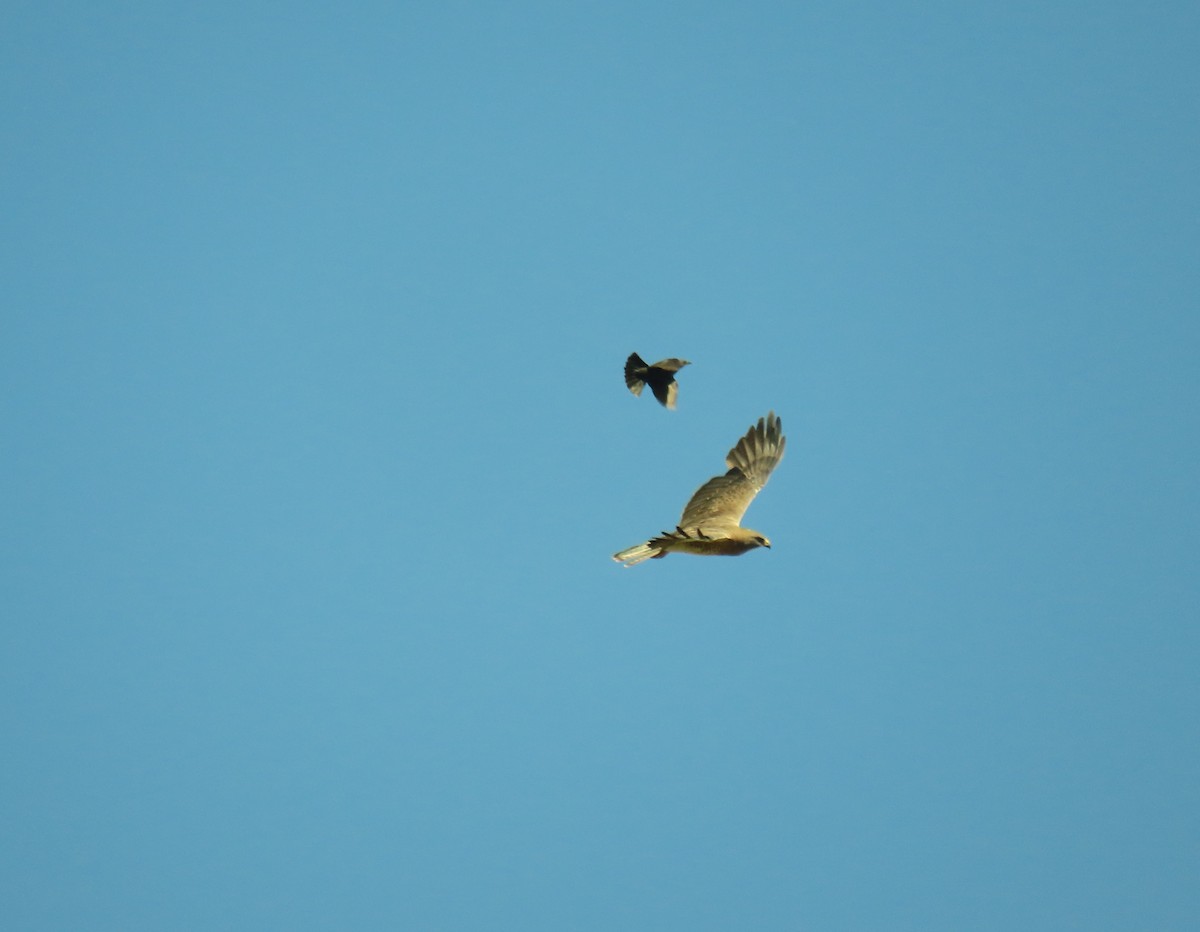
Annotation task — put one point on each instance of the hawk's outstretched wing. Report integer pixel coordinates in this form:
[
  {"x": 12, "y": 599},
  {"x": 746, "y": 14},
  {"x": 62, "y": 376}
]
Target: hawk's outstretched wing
[{"x": 723, "y": 500}]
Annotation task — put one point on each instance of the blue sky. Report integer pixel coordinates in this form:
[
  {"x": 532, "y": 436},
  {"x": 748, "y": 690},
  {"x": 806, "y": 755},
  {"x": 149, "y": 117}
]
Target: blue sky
[{"x": 317, "y": 448}]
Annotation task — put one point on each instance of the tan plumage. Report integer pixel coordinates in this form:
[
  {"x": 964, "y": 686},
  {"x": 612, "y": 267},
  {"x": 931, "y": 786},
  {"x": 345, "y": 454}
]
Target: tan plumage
[
  {"x": 710, "y": 525},
  {"x": 660, "y": 377}
]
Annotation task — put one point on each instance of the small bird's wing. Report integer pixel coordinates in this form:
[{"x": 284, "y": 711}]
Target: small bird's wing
[
  {"x": 665, "y": 392},
  {"x": 722, "y": 500},
  {"x": 661, "y": 379}
]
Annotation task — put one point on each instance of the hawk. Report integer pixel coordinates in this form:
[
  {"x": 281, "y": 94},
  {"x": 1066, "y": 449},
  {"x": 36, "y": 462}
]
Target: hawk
[
  {"x": 710, "y": 523},
  {"x": 660, "y": 377}
]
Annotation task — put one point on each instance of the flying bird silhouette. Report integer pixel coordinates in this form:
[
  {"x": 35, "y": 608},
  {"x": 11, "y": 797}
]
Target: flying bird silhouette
[
  {"x": 660, "y": 377},
  {"x": 710, "y": 525}
]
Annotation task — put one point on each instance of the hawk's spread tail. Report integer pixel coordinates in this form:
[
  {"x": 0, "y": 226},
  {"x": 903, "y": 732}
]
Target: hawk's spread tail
[{"x": 639, "y": 552}]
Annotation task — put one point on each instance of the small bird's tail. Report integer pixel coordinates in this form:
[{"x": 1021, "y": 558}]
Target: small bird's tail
[
  {"x": 639, "y": 552},
  {"x": 635, "y": 368}
]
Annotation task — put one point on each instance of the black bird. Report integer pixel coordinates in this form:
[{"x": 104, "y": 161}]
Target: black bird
[{"x": 660, "y": 377}]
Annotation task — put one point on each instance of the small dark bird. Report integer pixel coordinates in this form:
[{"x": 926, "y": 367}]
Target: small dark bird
[{"x": 660, "y": 377}]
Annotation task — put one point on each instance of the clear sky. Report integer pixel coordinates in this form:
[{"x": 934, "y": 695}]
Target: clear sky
[{"x": 316, "y": 448}]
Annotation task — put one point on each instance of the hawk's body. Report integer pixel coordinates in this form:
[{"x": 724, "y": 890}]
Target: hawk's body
[
  {"x": 660, "y": 377},
  {"x": 710, "y": 525}
]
